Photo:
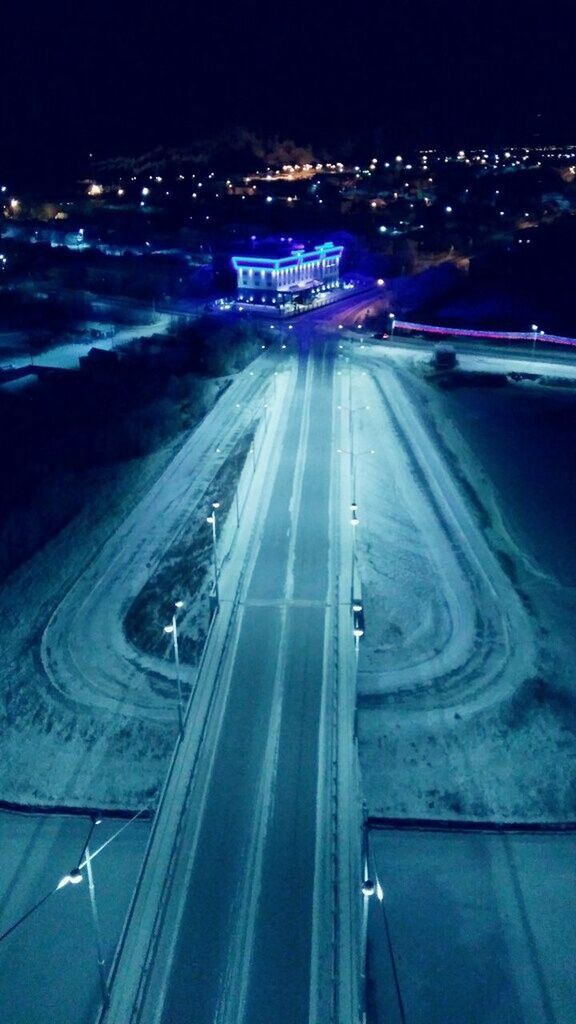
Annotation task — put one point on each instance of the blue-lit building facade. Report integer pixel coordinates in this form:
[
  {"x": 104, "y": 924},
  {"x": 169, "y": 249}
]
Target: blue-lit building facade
[{"x": 293, "y": 279}]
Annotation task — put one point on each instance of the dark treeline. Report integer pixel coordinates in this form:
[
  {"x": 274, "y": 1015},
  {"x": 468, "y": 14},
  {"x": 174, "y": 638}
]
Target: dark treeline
[{"x": 57, "y": 436}]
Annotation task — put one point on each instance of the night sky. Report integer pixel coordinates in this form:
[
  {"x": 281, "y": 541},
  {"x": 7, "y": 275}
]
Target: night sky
[{"x": 119, "y": 77}]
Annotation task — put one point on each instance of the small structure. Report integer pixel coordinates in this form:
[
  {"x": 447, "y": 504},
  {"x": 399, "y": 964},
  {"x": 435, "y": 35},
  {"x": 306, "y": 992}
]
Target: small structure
[
  {"x": 295, "y": 278},
  {"x": 444, "y": 357}
]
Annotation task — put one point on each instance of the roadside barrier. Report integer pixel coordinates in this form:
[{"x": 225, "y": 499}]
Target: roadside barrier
[{"x": 458, "y": 332}]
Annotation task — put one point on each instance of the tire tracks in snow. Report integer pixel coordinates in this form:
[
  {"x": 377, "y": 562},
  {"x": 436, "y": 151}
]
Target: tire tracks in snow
[
  {"x": 488, "y": 614},
  {"x": 85, "y": 653}
]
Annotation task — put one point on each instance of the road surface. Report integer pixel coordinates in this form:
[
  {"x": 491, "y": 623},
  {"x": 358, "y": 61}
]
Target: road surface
[{"x": 245, "y": 934}]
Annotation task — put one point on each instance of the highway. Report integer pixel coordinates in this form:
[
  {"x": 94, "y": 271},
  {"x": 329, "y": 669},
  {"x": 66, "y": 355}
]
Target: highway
[
  {"x": 245, "y": 925},
  {"x": 236, "y": 912},
  {"x": 256, "y": 847}
]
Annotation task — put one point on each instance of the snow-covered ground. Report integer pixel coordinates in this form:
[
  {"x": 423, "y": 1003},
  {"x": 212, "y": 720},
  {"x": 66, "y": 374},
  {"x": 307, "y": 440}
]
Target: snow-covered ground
[
  {"x": 84, "y": 650},
  {"x": 481, "y": 928},
  {"x": 67, "y": 356},
  {"x": 83, "y": 723},
  {"x": 540, "y": 364},
  {"x": 450, "y": 719}
]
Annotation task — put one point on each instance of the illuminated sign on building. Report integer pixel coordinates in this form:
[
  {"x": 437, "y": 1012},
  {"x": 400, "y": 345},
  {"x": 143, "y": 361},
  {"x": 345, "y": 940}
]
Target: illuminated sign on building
[{"x": 286, "y": 279}]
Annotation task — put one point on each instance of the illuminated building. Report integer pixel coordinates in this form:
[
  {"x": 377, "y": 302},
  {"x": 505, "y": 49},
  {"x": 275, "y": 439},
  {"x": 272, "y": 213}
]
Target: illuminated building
[{"x": 295, "y": 278}]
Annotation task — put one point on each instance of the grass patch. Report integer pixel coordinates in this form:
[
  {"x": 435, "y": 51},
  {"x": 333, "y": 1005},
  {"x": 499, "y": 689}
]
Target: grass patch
[{"x": 532, "y": 697}]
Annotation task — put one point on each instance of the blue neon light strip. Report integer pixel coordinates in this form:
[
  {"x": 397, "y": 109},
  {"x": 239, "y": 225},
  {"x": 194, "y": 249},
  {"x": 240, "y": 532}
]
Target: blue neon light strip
[{"x": 326, "y": 251}]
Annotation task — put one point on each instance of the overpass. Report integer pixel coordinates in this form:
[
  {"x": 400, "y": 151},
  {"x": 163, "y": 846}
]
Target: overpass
[{"x": 248, "y": 904}]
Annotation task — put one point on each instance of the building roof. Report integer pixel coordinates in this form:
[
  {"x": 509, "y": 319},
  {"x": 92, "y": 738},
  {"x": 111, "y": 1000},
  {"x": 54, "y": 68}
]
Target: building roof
[{"x": 297, "y": 257}]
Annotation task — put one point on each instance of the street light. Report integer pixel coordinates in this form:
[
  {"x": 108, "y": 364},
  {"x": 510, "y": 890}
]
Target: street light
[
  {"x": 74, "y": 878},
  {"x": 392, "y": 320},
  {"x": 352, "y": 410},
  {"x": 535, "y": 332},
  {"x": 212, "y": 520},
  {"x": 354, "y": 521},
  {"x": 173, "y": 630},
  {"x": 354, "y": 456}
]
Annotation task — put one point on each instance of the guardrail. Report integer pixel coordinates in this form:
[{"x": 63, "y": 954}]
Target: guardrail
[
  {"x": 466, "y": 825},
  {"x": 459, "y": 332}
]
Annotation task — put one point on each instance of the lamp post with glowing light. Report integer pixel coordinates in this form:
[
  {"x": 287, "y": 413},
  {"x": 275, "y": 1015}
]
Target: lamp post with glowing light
[
  {"x": 535, "y": 332},
  {"x": 392, "y": 322},
  {"x": 212, "y": 520},
  {"x": 354, "y": 523},
  {"x": 173, "y": 630},
  {"x": 352, "y": 411},
  {"x": 74, "y": 878},
  {"x": 371, "y": 886}
]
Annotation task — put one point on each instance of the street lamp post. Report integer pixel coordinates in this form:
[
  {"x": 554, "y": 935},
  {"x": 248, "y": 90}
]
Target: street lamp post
[
  {"x": 371, "y": 887},
  {"x": 535, "y": 332},
  {"x": 392, "y": 319},
  {"x": 354, "y": 521},
  {"x": 74, "y": 878},
  {"x": 97, "y": 929},
  {"x": 351, "y": 413},
  {"x": 173, "y": 630},
  {"x": 212, "y": 520},
  {"x": 354, "y": 456}
]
